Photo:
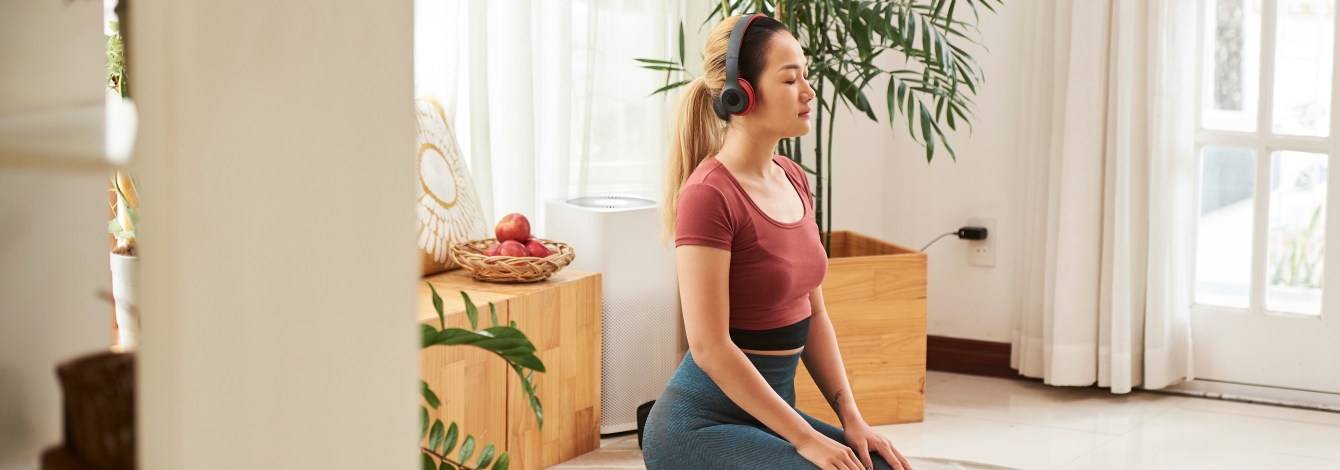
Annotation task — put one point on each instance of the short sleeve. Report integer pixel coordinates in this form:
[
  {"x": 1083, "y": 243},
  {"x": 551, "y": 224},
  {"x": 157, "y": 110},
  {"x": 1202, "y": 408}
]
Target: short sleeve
[{"x": 702, "y": 217}]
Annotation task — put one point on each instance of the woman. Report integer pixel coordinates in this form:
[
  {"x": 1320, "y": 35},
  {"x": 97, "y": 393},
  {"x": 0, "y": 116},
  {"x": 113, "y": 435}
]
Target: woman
[{"x": 750, "y": 264}]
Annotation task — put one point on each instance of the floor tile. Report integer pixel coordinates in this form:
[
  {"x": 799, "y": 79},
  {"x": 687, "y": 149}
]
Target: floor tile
[
  {"x": 992, "y": 442},
  {"x": 1086, "y": 409},
  {"x": 613, "y": 438},
  {"x": 1189, "y": 438},
  {"x": 935, "y": 376}
]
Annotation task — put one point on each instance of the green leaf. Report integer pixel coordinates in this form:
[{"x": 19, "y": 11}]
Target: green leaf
[
  {"x": 892, "y": 99},
  {"x": 453, "y": 336},
  {"x": 437, "y": 305},
  {"x": 435, "y": 437},
  {"x": 423, "y": 422},
  {"x": 493, "y": 312},
  {"x": 471, "y": 311},
  {"x": 467, "y": 448},
  {"x": 811, "y": 171},
  {"x": 664, "y": 68},
  {"x": 449, "y": 442},
  {"x": 427, "y": 334},
  {"x": 447, "y": 466},
  {"x": 502, "y": 462},
  {"x": 654, "y": 61},
  {"x": 926, "y": 136},
  {"x": 529, "y": 361},
  {"x": 670, "y": 87},
  {"x": 528, "y": 387},
  {"x": 944, "y": 140},
  {"x": 428, "y": 395},
  {"x": 428, "y": 463},
  {"x": 485, "y": 457},
  {"x": 925, "y": 37},
  {"x": 681, "y": 41}
]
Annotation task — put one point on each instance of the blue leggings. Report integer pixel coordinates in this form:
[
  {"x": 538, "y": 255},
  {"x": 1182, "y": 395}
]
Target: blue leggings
[{"x": 694, "y": 425}]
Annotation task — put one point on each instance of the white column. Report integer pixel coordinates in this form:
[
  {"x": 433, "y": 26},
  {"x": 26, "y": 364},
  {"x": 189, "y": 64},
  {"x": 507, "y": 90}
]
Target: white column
[{"x": 275, "y": 167}]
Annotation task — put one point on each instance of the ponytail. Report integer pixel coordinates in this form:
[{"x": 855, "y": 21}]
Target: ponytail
[{"x": 697, "y": 133}]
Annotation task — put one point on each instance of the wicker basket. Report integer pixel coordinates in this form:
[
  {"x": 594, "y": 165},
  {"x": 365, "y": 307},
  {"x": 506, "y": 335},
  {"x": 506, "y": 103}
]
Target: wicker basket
[{"x": 470, "y": 255}]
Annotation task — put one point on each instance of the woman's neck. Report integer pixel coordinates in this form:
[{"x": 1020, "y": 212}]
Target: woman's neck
[{"x": 747, "y": 156}]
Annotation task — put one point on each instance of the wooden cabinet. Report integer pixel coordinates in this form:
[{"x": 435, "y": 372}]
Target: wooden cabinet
[{"x": 561, "y": 316}]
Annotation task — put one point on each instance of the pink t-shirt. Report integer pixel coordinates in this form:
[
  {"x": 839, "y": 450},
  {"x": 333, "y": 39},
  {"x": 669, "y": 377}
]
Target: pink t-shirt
[{"x": 773, "y": 265}]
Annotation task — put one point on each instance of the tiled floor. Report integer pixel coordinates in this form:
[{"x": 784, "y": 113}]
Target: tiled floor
[{"x": 1028, "y": 425}]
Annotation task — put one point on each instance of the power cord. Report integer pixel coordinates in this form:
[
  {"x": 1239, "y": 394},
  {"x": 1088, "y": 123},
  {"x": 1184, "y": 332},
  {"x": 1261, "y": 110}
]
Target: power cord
[{"x": 965, "y": 233}]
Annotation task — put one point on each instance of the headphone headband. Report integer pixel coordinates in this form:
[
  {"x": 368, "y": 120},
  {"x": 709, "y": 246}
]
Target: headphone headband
[{"x": 737, "y": 96}]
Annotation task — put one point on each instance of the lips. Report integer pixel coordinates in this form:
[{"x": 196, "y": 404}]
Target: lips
[{"x": 805, "y": 113}]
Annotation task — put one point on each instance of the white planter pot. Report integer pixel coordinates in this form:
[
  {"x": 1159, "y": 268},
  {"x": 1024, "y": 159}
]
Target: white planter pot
[{"x": 124, "y": 271}]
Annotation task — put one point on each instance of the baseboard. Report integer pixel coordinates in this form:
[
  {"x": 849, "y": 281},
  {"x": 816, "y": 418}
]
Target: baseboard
[{"x": 970, "y": 356}]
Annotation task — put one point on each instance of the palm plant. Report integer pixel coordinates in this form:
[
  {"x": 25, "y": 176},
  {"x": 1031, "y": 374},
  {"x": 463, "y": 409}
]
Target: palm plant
[
  {"x": 841, "y": 40},
  {"x": 116, "y": 61},
  {"x": 507, "y": 342}
]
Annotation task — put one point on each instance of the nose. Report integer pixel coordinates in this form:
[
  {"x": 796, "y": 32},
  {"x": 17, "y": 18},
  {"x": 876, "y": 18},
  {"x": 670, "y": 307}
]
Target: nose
[{"x": 807, "y": 94}]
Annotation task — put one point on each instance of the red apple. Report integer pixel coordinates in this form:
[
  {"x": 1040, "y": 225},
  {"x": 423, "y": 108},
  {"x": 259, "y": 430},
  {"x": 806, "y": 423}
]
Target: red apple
[
  {"x": 492, "y": 250},
  {"x": 537, "y": 249},
  {"x": 513, "y": 226},
  {"x": 512, "y": 248}
]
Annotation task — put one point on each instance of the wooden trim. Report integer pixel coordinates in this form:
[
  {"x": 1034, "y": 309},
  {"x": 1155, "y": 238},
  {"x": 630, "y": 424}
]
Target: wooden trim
[{"x": 970, "y": 356}]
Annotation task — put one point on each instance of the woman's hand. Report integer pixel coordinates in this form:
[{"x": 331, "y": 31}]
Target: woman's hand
[
  {"x": 865, "y": 440},
  {"x": 828, "y": 454}
]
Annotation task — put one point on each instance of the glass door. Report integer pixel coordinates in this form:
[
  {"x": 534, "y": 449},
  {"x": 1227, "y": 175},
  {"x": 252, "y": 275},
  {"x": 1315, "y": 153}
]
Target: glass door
[{"x": 1264, "y": 312}]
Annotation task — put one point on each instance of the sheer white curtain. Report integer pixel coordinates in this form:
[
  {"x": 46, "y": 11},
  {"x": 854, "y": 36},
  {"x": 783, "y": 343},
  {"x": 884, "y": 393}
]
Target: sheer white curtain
[
  {"x": 545, "y": 97},
  {"x": 1110, "y": 201}
]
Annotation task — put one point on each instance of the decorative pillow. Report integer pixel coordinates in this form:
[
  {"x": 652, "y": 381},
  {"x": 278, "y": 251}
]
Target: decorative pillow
[{"x": 448, "y": 206}]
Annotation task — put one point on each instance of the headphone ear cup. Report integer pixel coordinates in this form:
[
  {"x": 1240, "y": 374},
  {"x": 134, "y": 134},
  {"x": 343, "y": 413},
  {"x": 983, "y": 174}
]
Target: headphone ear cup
[
  {"x": 720, "y": 109},
  {"x": 749, "y": 97}
]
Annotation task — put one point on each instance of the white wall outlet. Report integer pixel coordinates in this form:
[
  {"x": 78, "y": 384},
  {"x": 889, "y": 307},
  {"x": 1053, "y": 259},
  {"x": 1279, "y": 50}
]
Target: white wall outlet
[{"x": 983, "y": 252}]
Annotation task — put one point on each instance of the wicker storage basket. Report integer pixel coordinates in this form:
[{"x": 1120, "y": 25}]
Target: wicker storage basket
[{"x": 470, "y": 255}]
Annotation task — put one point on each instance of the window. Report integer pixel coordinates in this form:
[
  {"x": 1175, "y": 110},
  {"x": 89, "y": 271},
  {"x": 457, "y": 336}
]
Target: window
[{"x": 1264, "y": 141}]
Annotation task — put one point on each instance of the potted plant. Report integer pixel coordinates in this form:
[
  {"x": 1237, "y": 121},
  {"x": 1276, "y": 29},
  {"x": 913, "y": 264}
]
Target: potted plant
[
  {"x": 124, "y": 261},
  {"x": 875, "y": 291},
  {"x": 841, "y": 40}
]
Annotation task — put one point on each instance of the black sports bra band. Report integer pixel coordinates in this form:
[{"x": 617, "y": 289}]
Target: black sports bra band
[{"x": 783, "y": 338}]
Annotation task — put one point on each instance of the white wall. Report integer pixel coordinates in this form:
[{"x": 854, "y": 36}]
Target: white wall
[
  {"x": 885, "y": 188},
  {"x": 53, "y": 261},
  {"x": 276, "y": 171}
]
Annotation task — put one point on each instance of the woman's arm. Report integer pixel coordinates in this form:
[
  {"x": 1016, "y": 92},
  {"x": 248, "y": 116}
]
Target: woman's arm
[
  {"x": 704, "y": 279},
  {"x": 824, "y": 362}
]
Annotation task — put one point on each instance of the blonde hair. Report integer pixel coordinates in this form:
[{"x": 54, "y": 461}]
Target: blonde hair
[{"x": 699, "y": 130}]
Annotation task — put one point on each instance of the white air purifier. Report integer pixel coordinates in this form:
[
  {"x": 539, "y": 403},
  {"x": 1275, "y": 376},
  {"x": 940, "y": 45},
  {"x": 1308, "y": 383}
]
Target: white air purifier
[{"x": 642, "y": 334}]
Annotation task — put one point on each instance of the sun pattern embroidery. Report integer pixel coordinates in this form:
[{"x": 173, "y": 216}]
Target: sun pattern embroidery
[{"x": 448, "y": 207}]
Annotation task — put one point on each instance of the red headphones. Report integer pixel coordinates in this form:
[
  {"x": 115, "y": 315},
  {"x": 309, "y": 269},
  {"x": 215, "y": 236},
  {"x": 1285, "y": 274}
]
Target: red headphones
[{"x": 737, "y": 96}]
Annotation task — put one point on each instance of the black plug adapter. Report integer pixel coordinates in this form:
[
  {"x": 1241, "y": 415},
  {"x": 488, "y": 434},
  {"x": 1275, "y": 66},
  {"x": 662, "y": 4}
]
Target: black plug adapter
[{"x": 972, "y": 233}]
